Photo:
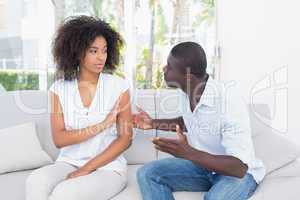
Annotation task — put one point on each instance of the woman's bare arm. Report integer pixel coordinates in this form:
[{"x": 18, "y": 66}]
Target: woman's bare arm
[
  {"x": 63, "y": 137},
  {"x": 120, "y": 144}
]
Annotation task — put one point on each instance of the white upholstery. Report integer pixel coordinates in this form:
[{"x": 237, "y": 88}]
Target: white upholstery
[
  {"x": 14, "y": 153},
  {"x": 25, "y": 106}
]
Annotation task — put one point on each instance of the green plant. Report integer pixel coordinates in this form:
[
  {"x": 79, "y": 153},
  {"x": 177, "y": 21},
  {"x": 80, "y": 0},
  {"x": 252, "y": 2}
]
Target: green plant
[{"x": 19, "y": 80}]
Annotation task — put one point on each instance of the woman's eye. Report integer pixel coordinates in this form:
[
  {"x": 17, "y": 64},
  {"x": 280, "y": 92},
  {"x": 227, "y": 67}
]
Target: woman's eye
[{"x": 93, "y": 51}]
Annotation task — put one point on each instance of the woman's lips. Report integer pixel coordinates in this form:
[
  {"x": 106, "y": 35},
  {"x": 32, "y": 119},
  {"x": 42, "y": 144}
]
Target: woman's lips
[{"x": 99, "y": 65}]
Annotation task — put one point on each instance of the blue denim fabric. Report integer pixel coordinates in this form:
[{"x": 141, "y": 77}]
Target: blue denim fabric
[{"x": 158, "y": 179}]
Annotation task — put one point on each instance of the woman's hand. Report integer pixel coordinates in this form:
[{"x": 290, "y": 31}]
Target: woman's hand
[
  {"x": 110, "y": 119},
  {"x": 82, "y": 171}
]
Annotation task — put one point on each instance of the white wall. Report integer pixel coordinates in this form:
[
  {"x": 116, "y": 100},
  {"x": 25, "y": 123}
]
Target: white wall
[{"x": 260, "y": 41}]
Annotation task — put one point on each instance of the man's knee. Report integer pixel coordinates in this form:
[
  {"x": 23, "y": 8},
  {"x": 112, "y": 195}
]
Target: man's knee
[
  {"x": 215, "y": 196},
  {"x": 150, "y": 171},
  {"x": 144, "y": 173},
  {"x": 230, "y": 188}
]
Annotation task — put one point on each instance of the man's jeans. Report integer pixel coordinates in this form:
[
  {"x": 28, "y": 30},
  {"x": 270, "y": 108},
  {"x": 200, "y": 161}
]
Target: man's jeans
[{"x": 158, "y": 179}]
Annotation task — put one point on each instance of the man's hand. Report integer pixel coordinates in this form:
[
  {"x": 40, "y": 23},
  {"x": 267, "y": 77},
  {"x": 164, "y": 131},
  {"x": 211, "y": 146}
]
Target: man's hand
[
  {"x": 142, "y": 120},
  {"x": 82, "y": 171},
  {"x": 177, "y": 147}
]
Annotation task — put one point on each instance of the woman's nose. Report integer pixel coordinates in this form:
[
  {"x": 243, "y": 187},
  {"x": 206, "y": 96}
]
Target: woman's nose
[{"x": 100, "y": 56}]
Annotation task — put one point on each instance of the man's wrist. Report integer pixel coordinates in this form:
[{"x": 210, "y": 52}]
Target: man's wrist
[
  {"x": 192, "y": 154},
  {"x": 153, "y": 124}
]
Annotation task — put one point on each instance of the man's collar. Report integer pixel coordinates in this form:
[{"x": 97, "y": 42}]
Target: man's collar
[{"x": 209, "y": 94}]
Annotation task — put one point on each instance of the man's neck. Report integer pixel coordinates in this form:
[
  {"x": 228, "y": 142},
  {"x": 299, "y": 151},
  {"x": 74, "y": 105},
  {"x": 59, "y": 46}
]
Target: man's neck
[{"x": 194, "y": 89}]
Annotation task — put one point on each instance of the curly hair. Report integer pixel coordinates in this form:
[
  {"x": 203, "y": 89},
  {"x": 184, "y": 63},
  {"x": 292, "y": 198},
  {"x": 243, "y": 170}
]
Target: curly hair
[{"x": 75, "y": 36}]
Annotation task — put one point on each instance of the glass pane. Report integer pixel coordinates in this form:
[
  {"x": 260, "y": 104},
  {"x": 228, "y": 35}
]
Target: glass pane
[
  {"x": 26, "y": 28},
  {"x": 154, "y": 27},
  {"x": 162, "y": 24}
]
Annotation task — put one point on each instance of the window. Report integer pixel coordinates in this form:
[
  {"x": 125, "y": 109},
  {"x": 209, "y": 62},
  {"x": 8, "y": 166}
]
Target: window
[
  {"x": 150, "y": 29},
  {"x": 24, "y": 48},
  {"x": 2, "y": 14},
  {"x": 162, "y": 24}
]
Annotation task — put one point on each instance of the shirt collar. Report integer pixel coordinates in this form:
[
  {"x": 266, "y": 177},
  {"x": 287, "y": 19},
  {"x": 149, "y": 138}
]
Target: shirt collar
[{"x": 209, "y": 95}]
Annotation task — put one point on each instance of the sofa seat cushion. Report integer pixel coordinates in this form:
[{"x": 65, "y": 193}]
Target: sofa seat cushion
[
  {"x": 13, "y": 185},
  {"x": 290, "y": 170},
  {"x": 275, "y": 186},
  {"x": 132, "y": 192},
  {"x": 278, "y": 188},
  {"x": 20, "y": 149}
]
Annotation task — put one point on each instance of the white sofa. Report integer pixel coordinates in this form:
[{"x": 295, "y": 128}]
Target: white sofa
[{"x": 32, "y": 106}]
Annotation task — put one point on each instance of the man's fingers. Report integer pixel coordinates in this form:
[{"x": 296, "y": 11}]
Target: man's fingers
[
  {"x": 164, "y": 144},
  {"x": 70, "y": 176},
  {"x": 139, "y": 109},
  {"x": 180, "y": 133},
  {"x": 163, "y": 149},
  {"x": 166, "y": 140},
  {"x": 178, "y": 130}
]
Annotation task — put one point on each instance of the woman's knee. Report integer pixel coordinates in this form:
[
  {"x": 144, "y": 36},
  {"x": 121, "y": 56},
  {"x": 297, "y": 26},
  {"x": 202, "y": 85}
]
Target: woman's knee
[
  {"x": 37, "y": 185},
  {"x": 37, "y": 178}
]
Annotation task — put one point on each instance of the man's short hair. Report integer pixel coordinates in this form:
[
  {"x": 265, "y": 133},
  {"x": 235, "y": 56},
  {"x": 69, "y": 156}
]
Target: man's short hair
[{"x": 193, "y": 56}]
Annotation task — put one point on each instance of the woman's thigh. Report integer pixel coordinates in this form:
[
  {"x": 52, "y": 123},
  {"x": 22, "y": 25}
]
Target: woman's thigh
[
  {"x": 100, "y": 184},
  {"x": 42, "y": 181}
]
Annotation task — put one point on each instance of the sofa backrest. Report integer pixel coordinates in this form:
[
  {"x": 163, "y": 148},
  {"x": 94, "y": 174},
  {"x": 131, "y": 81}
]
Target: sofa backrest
[
  {"x": 19, "y": 107},
  {"x": 26, "y": 106}
]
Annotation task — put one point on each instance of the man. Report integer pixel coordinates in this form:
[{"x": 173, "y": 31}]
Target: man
[{"x": 216, "y": 153}]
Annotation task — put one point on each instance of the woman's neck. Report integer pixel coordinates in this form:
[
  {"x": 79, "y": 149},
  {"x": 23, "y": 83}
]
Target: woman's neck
[{"x": 88, "y": 77}]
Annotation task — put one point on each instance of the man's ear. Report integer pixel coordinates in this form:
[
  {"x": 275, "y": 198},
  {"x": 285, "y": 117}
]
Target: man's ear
[{"x": 188, "y": 75}]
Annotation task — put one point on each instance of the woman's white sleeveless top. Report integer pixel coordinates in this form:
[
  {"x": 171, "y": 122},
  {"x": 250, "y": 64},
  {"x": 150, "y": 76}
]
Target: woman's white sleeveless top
[{"x": 76, "y": 116}]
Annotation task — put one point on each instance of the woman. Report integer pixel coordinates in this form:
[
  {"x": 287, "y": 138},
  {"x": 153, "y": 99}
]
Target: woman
[{"x": 90, "y": 116}]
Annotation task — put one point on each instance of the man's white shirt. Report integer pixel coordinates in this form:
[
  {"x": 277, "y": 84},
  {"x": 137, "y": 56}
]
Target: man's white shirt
[{"x": 220, "y": 125}]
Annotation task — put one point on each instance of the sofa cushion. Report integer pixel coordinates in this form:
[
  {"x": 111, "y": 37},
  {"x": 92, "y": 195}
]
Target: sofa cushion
[
  {"x": 132, "y": 192},
  {"x": 275, "y": 151},
  {"x": 29, "y": 106},
  {"x": 290, "y": 170},
  {"x": 278, "y": 188},
  {"x": 271, "y": 147},
  {"x": 142, "y": 151},
  {"x": 20, "y": 149},
  {"x": 13, "y": 185}
]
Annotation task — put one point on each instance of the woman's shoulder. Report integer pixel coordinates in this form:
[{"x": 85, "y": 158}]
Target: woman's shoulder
[{"x": 59, "y": 85}]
